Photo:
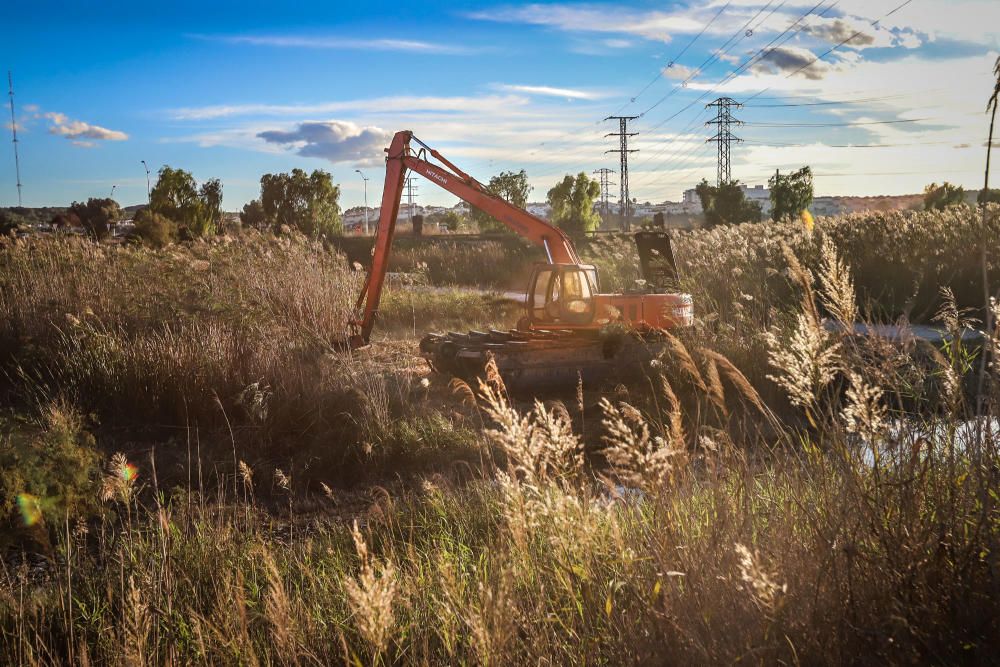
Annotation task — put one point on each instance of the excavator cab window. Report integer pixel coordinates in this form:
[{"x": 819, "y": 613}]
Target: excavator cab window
[
  {"x": 576, "y": 302},
  {"x": 563, "y": 294},
  {"x": 540, "y": 293}
]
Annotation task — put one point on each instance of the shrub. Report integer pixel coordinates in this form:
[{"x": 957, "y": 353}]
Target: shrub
[
  {"x": 49, "y": 472},
  {"x": 154, "y": 229}
]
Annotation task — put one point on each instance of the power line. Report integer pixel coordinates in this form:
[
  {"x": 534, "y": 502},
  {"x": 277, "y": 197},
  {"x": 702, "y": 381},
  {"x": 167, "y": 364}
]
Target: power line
[
  {"x": 623, "y": 150},
  {"x": 652, "y": 81},
  {"x": 673, "y": 61},
  {"x": 849, "y": 124},
  {"x": 751, "y": 60},
  {"x": 13, "y": 129},
  {"x": 836, "y": 46},
  {"x": 822, "y": 145},
  {"x": 722, "y": 50}
]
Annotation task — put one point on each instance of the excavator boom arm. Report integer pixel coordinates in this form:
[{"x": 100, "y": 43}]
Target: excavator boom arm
[{"x": 554, "y": 241}]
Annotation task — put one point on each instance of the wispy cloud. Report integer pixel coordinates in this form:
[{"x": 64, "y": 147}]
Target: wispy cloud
[
  {"x": 791, "y": 60},
  {"x": 333, "y": 140},
  {"x": 677, "y": 71},
  {"x": 379, "y": 105},
  {"x": 551, "y": 91},
  {"x": 653, "y": 25},
  {"x": 80, "y": 132},
  {"x": 334, "y": 42}
]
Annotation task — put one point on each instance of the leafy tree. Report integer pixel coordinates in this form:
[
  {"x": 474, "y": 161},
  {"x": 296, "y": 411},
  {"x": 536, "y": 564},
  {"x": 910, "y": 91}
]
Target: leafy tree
[
  {"x": 572, "y": 202},
  {"x": 211, "y": 194},
  {"x": 511, "y": 187},
  {"x": 63, "y": 220},
  {"x": 253, "y": 215},
  {"x": 726, "y": 204},
  {"x": 940, "y": 197},
  {"x": 176, "y": 196},
  {"x": 790, "y": 194},
  {"x": 450, "y": 220},
  {"x": 307, "y": 202},
  {"x": 9, "y": 222},
  {"x": 97, "y": 216},
  {"x": 154, "y": 229},
  {"x": 453, "y": 221},
  {"x": 991, "y": 196}
]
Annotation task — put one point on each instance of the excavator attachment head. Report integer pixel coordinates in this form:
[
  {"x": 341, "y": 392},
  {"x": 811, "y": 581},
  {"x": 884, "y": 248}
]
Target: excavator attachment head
[{"x": 656, "y": 259}]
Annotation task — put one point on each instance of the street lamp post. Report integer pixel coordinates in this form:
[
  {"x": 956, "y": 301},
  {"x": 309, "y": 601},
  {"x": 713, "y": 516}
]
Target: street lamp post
[
  {"x": 147, "y": 179},
  {"x": 365, "y": 179}
]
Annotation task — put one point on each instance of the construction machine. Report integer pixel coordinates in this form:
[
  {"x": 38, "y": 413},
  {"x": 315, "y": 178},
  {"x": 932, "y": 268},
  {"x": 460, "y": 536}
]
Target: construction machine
[{"x": 569, "y": 330}]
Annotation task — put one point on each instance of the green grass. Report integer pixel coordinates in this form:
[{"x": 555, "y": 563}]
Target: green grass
[{"x": 800, "y": 497}]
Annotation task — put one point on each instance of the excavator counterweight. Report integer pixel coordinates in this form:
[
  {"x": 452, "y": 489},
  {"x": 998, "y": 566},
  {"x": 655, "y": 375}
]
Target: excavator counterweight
[{"x": 570, "y": 329}]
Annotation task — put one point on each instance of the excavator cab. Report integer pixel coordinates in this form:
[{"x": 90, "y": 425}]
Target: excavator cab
[{"x": 562, "y": 294}]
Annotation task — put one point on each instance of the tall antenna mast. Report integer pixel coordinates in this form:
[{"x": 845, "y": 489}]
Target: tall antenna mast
[{"x": 13, "y": 129}]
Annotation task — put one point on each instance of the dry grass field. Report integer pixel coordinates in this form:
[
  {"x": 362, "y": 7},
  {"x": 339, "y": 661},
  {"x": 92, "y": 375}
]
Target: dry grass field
[{"x": 190, "y": 473}]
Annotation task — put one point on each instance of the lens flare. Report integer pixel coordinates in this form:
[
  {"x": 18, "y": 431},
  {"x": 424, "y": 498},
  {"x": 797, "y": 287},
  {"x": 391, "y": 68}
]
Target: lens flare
[
  {"x": 30, "y": 507},
  {"x": 128, "y": 472}
]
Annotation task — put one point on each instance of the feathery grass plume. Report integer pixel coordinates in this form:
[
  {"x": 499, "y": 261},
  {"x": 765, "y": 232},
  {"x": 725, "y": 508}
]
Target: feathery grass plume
[
  {"x": 637, "y": 457},
  {"x": 119, "y": 480},
  {"x": 807, "y": 363},
  {"x": 463, "y": 391},
  {"x": 246, "y": 474},
  {"x": 137, "y": 624},
  {"x": 493, "y": 377},
  {"x": 685, "y": 360},
  {"x": 676, "y": 417},
  {"x": 761, "y": 583},
  {"x": 715, "y": 391},
  {"x": 373, "y": 595},
  {"x": 328, "y": 492},
  {"x": 837, "y": 286},
  {"x": 735, "y": 377},
  {"x": 278, "y": 610},
  {"x": 803, "y": 277},
  {"x": 994, "y": 335},
  {"x": 489, "y": 616},
  {"x": 541, "y": 445},
  {"x": 949, "y": 314},
  {"x": 283, "y": 481},
  {"x": 865, "y": 413}
]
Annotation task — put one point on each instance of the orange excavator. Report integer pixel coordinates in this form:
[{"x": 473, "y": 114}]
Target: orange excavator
[{"x": 570, "y": 329}]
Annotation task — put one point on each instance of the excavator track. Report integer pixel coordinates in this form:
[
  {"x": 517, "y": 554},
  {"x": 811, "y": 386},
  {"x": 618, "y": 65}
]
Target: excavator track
[{"x": 542, "y": 359}]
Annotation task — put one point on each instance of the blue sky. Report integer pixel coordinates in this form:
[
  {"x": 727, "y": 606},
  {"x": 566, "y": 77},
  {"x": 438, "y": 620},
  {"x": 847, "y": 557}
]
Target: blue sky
[{"x": 235, "y": 90}]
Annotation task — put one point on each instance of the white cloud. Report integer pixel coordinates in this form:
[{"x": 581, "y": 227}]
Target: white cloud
[
  {"x": 379, "y": 105},
  {"x": 550, "y": 91},
  {"x": 332, "y": 42},
  {"x": 79, "y": 132},
  {"x": 616, "y": 43},
  {"x": 679, "y": 72},
  {"x": 333, "y": 140}
]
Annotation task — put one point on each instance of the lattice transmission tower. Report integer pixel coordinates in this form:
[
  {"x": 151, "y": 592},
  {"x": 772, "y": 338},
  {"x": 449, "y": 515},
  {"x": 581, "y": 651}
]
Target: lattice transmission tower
[
  {"x": 603, "y": 174},
  {"x": 624, "y": 205},
  {"x": 13, "y": 129},
  {"x": 724, "y": 137}
]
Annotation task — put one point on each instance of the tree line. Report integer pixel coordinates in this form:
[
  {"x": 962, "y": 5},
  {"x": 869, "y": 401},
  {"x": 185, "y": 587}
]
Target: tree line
[{"x": 182, "y": 209}]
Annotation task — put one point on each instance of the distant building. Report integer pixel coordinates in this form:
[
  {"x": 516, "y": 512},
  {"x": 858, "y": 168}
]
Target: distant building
[
  {"x": 756, "y": 193},
  {"x": 760, "y": 195}
]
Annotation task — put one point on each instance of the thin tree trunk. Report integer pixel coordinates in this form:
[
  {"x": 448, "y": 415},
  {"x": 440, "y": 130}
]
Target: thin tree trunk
[{"x": 986, "y": 281}]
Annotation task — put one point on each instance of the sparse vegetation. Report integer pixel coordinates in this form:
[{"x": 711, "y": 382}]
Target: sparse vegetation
[{"x": 778, "y": 491}]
